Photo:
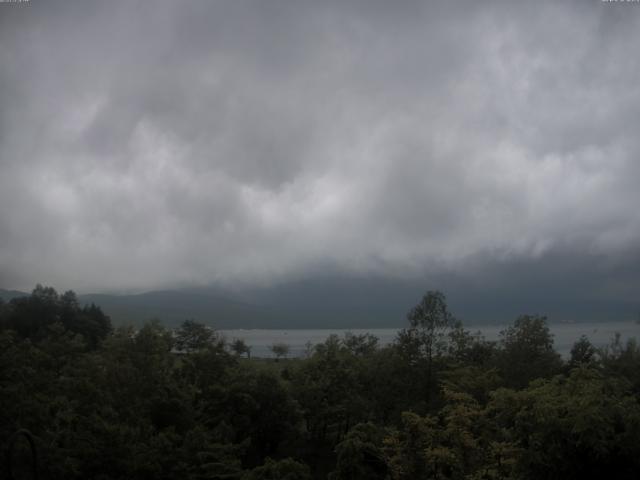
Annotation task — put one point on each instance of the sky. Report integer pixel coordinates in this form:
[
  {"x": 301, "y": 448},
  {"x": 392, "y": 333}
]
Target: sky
[{"x": 168, "y": 144}]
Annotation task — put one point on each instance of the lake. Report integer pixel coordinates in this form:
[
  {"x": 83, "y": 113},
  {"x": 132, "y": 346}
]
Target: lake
[{"x": 565, "y": 334}]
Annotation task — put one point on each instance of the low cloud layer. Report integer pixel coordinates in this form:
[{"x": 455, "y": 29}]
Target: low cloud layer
[{"x": 162, "y": 144}]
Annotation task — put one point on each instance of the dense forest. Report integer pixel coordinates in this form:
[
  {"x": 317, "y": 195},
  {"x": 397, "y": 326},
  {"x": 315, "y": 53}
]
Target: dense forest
[{"x": 439, "y": 403}]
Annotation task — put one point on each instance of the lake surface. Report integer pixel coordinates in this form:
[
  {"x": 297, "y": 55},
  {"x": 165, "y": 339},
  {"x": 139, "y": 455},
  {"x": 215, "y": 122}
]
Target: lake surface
[{"x": 565, "y": 334}]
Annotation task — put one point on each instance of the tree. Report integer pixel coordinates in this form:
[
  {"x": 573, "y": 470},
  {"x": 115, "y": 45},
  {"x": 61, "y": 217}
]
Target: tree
[
  {"x": 32, "y": 316},
  {"x": 258, "y": 407},
  {"x": 95, "y": 326},
  {"x": 329, "y": 388},
  {"x": 363, "y": 344},
  {"x": 308, "y": 349},
  {"x": 527, "y": 351},
  {"x": 584, "y": 425},
  {"x": 448, "y": 445},
  {"x": 360, "y": 455},
  {"x": 582, "y": 353},
  {"x": 280, "y": 350},
  {"x": 466, "y": 348},
  {"x": 287, "y": 469},
  {"x": 193, "y": 336},
  {"x": 429, "y": 320},
  {"x": 239, "y": 347},
  {"x": 623, "y": 360}
]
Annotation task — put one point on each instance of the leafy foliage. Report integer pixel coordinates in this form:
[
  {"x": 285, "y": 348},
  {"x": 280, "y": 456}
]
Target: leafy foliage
[
  {"x": 527, "y": 351},
  {"x": 152, "y": 403},
  {"x": 280, "y": 350},
  {"x": 287, "y": 469}
]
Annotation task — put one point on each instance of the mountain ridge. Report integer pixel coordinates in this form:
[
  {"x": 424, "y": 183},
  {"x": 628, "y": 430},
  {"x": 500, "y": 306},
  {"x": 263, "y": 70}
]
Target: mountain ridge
[{"x": 336, "y": 303}]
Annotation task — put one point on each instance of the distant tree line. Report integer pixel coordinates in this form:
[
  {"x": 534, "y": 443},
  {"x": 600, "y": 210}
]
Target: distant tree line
[{"x": 438, "y": 403}]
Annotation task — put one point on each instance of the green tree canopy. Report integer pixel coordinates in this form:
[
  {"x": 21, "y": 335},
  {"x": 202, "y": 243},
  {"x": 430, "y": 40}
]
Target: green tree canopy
[
  {"x": 287, "y": 469},
  {"x": 280, "y": 349},
  {"x": 527, "y": 351},
  {"x": 32, "y": 315},
  {"x": 192, "y": 336}
]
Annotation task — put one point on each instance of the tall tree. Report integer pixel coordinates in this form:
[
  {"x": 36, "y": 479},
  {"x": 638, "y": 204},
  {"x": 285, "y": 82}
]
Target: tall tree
[
  {"x": 527, "y": 351},
  {"x": 429, "y": 321},
  {"x": 583, "y": 352}
]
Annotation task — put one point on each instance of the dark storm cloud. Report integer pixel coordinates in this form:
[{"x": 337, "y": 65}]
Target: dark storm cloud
[{"x": 147, "y": 144}]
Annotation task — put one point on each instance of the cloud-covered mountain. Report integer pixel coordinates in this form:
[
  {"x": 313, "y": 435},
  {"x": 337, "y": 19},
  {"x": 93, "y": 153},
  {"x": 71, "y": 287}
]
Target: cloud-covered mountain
[
  {"x": 346, "y": 302},
  {"x": 249, "y": 144}
]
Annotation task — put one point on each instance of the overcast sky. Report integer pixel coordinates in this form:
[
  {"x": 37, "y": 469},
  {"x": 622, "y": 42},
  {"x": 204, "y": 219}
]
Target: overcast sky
[{"x": 163, "y": 143}]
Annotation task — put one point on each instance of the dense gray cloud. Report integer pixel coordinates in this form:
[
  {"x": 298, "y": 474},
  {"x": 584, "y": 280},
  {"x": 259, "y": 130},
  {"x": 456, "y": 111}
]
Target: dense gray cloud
[{"x": 156, "y": 144}]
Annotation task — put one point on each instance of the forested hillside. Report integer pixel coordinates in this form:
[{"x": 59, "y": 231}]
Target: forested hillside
[{"x": 155, "y": 403}]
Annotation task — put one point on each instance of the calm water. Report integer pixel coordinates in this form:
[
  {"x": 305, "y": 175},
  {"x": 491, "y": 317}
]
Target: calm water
[{"x": 565, "y": 334}]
